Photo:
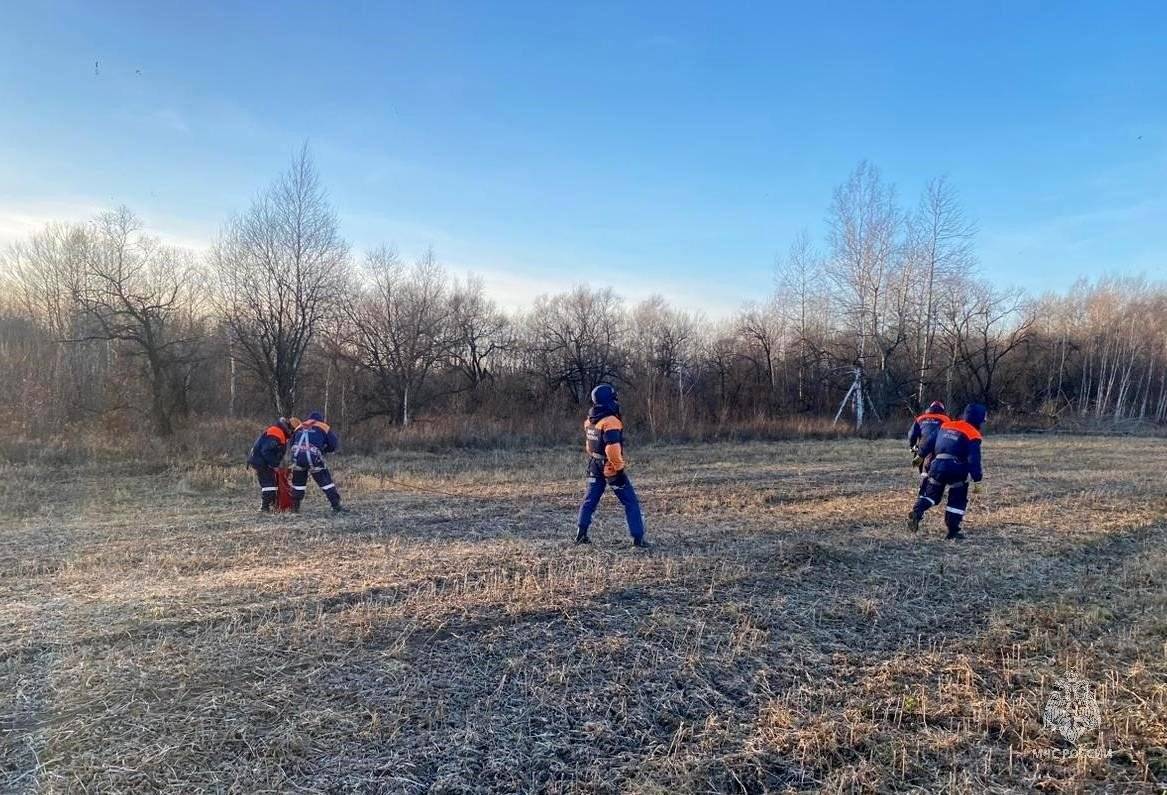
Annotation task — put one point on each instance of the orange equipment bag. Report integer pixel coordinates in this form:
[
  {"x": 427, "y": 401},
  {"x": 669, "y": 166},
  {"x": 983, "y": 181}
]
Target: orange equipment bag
[{"x": 284, "y": 486}]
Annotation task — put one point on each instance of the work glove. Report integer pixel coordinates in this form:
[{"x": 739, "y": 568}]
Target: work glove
[
  {"x": 976, "y": 489},
  {"x": 618, "y": 479},
  {"x": 917, "y": 461}
]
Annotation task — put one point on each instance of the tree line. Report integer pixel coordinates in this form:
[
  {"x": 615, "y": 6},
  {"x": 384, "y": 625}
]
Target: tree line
[{"x": 100, "y": 322}]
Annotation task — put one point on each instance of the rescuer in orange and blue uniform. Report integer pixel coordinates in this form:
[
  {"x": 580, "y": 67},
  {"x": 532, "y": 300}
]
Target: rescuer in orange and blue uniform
[
  {"x": 923, "y": 429},
  {"x": 313, "y": 439},
  {"x": 266, "y": 456},
  {"x": 953, "y": 456},
  {"x": 604, "y": 432}
]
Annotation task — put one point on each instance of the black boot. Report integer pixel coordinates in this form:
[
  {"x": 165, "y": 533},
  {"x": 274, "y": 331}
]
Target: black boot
[
  {"x": 641, "y": 543},
  {"x": 581, "y": 536},
  {"x": 954, "y": 533},
  {"x": 914, "y": 521},
  {"x": 338, "y": 508}
]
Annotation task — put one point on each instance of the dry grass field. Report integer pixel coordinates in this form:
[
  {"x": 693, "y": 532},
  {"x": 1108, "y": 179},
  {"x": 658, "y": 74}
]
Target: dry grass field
[{"x": 785, "y": 634}]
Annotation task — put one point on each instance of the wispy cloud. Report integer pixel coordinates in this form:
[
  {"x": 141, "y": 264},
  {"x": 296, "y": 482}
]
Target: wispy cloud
[
  {"x": 1075, "y": 229},
  {"x": 172, "y": 120},
  {"x": 18, "y": 221},
  {"x": 1127, "y": 238},
  {"x": 517, "y": 288},
  {"x": 1114, "y": 224}
]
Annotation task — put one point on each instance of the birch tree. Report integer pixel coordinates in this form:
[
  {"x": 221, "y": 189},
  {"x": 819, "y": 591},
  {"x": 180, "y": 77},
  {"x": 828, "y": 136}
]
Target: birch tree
[
  {"x": 863, "y": 222},
  {"x": 940, "y": 242}
]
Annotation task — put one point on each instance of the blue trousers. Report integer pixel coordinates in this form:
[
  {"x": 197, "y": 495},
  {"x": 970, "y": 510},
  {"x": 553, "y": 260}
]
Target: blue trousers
[
  {"x": 622, "y": 487},
  {"x": 306, "y": 463},
  {"x": 267, "y": 486},
  {"x": 945, "y": 475}
]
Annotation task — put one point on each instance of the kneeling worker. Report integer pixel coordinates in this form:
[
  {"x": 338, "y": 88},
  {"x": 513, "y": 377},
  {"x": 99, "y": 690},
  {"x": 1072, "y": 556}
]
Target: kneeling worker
[
  {"x": 313, "y": 439},
  {"x": 266, "y": 456},
  {"x": 604, "y": 432},
  {"x": 955, "y": 456}
]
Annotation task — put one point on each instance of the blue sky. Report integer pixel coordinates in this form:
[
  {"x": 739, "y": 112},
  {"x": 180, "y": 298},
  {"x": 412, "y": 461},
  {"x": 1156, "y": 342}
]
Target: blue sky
[{"x": 656, "y": 147}]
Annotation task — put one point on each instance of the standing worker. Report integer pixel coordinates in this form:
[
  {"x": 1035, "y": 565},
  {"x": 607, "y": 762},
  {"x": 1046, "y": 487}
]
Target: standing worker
[
  {"x": 923, "y": 430},
  {"x": 266, "y": 456},
  {"x": 954, "y": 455},
  {"x": 604, "y": 432},
  {"x": 313, "y": 439}
]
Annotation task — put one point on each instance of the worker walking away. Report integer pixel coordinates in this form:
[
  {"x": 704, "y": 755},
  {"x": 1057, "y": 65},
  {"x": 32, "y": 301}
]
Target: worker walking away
[
  {"x": 314, "y": 438},
  {"x": 923, "y": 429},
  {"x": 604, "y": 432},
  {"x": 954, "y": 456},
  {"x": 266, "y": 456}
]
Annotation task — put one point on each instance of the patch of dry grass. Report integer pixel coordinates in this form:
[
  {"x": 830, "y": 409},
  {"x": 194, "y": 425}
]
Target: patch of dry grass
[{"x": 787, "y": 634}]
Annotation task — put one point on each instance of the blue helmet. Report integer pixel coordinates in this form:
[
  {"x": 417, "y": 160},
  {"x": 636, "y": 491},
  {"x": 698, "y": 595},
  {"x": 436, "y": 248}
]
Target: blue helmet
[
  {"x": 604, "y": 395},
  {"x": 936, "y": 407},
  {"x": 317, "y": 416},
  {"x": 975, "y": 414}
]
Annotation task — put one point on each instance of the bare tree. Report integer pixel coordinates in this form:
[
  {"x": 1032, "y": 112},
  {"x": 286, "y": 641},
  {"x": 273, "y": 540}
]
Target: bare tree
[
  {"x": 985, "y": 325},
  {"x": 800, "y": 296},
  {"x": 46, "y": 272},
  {"x": 282, "y": 267},
  {"x": 480, "y": 333},
  {"x": 139, "y": 292},
  {"x": 400, "y": 329},
  {"x": 576, "y": 338},
  {"x": 101, "y": 319},
  {"x": 864, "y": 222},
  {"x": 661, "y": 349},
  {"x": 44, "y": 276},
  {"x": 719, "y": 356},
  {"x": 940, "y": 241},
  {"x": 762, "y": 329}
]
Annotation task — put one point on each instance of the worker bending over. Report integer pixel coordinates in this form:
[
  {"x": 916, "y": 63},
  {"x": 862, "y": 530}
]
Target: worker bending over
[
  {"x": 266, "y": 456},
  {"x": 314, "y": 438},
  {"x": 923, "y": 430},
  {"x": 953, "y": 456}
]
